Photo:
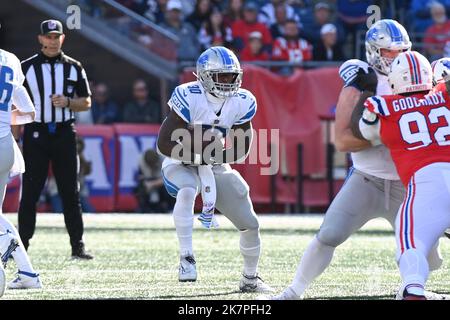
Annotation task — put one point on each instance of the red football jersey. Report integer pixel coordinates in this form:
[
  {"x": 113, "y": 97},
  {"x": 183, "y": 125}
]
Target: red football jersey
[
  {"x": 440, "y": 87},
  {"x": 415, "y": 128},
  {"x": 293, "y": 51}
]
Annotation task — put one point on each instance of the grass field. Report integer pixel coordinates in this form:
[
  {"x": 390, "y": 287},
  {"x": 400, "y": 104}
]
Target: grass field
[{"x": 136, "y": 257}]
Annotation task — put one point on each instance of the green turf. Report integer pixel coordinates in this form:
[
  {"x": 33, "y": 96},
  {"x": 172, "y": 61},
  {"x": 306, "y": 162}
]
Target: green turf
[{"x": 136, "y": 257}]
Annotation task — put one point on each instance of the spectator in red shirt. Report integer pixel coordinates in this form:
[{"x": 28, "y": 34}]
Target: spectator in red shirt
[
  {"x": 438, "y": 34},
  {"x": 241, "y": 29},
  {"x": 291, "y": 47},
  {"x": 254, "y": 49}
]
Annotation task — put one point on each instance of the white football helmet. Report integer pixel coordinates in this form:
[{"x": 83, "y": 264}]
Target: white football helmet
[
  {"x": 385, "y": 34},
  {"x": 214, "y": 61},
  {"x": 438, "y": 67},
  {"x": 410, "y": 72}
]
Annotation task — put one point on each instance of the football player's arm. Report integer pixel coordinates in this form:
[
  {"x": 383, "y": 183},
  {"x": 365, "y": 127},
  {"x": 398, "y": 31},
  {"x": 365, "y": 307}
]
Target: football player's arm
[
  {"x": 172, "y": 130},
  {"x": 357, "y": 114},
  {"x": 23, "y": 111},
  {"x": 345, "y": 141},
  {"x": 76, "y": 104},
  {"x": 241, "y": 140},
  {"x": 358, "y": 76}
]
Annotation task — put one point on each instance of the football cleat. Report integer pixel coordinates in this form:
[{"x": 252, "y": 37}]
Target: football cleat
[
  {"x": 187, "y": 270},
  {"x": 253, "y": 284},
  {"x": 409, "y": 296},
  {"x": 429, "y": 295},
  {"x": 79, "y": 252},
  {"x": 8, "y": 243},
  {"x": 25, "y": 280},
  {"x": 286, "y": 294}
]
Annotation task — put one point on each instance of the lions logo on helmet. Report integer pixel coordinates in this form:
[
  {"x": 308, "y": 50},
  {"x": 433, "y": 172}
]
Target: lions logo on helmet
[
  {"x": 410, "y": 72},
  {"x": 438, "y": 67},
  {"x": 385, "y": 34},
  {"x": 213, "y": 62}
]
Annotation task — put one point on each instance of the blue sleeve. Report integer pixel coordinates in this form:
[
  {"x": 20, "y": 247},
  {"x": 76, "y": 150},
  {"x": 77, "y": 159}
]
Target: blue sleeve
[
  {"x": 178, "y": 102},
  {"x": 249, "y": 107}
]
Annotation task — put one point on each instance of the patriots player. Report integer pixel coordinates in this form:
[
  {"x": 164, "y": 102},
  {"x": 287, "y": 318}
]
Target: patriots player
[
  {"x": 440, "y": 67},
  {"x": 372, "y": 188},
  {"x": 215, "y": 100},
  {"x": 15, "y": 108},
  {"x": 413, "y": 123}
]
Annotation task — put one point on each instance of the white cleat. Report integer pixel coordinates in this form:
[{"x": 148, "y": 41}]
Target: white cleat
[
  {"x": 187, "y": 270},
  {"x": 429, "y": 295},
  {"x": 287, "y": 294},
  {"x": 2, "y": 280},
  {"x": 253, "y": 284},
  {"x": 26, "y": 280}
]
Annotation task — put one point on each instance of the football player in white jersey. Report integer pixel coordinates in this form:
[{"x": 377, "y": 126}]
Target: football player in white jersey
[
  {"x": 216, "y": 100},
  {"x": 15, "y": 108},
  {"x": 372, "y": 188}
]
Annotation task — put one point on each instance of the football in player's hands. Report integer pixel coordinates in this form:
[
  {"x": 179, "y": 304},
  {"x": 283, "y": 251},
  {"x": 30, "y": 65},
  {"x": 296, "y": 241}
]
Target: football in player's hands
[
  {"x": 366, "y": 81},
  {"x": 202, "y": 138}
]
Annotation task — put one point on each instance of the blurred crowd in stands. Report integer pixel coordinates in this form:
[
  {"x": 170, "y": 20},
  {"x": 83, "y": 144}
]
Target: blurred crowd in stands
[
  {"x": 263, "y": 30},
  {"x": 104, "y": 110},
  {"x": 286, "y": 30}
]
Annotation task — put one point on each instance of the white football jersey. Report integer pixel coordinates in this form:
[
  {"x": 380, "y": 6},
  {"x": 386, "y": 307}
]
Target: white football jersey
[
  {"x": 377, "y": 160},
  {"x": 12, "y": 90},
  {"x": 195, "y": 106}
]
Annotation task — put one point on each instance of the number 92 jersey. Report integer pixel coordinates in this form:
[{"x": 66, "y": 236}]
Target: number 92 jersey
[
  {"x": 191, "y": 103},
  {"x": 415, "y": 128}
]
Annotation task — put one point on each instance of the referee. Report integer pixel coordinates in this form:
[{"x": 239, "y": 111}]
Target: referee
[{"x": 59, "y": 87}]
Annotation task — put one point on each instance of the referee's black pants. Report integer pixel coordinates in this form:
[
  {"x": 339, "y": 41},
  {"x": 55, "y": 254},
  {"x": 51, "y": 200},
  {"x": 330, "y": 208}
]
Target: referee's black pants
[{"x": 40, "y": 146}]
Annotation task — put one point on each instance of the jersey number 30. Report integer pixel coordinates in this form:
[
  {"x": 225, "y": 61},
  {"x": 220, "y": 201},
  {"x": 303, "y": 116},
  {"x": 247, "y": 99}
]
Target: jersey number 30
[
  {"x": 6, "y": 87},
  {"x": 423, "y": 135}
]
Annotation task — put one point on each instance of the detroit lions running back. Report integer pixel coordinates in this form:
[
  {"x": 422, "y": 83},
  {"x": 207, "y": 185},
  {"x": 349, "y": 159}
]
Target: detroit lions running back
[{"x": 216, "y": 100}]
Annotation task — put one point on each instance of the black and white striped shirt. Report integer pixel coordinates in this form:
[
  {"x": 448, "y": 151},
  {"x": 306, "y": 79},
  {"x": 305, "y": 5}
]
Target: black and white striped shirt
[{"x": 45, "y": 76}]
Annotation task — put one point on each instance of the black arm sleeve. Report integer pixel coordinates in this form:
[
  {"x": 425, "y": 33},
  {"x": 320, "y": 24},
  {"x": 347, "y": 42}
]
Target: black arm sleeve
[{"x": 82, "y": 86}]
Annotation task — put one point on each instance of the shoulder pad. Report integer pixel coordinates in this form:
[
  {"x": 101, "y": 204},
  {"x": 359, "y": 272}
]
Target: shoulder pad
[
  {"x": 179, "y": 102},
  {"x": 349, "y": 69},
  {"x": 248, "y": 106},
  {"x": 377, "y": 105}
]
